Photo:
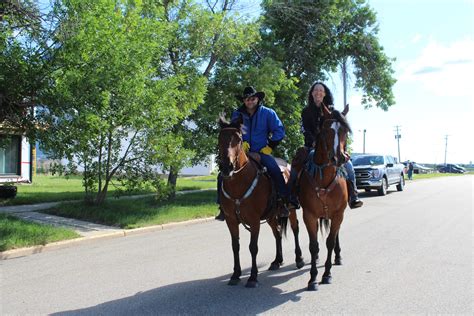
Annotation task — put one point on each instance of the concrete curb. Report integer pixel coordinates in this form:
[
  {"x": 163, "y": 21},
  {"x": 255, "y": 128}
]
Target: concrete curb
[{"x": 21, "y": 252}]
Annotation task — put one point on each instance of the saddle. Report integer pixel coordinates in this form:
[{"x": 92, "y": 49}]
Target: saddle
[{"x": 285, "y": 168}]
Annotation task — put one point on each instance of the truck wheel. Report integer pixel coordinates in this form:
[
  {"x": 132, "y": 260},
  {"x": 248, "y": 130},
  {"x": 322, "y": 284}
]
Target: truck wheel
[
  {"x": 401, "y": 184},
  {"x": 383, "y": 188}
]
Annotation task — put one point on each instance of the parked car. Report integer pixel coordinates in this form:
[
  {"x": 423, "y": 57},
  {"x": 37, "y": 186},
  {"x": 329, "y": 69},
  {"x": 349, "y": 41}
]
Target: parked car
[
  {"x": 451, "y": 168},
  {"x": 378, "y": 172}
]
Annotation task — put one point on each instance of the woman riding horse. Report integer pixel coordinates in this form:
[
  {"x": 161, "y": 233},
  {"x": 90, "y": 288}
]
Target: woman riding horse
[{"x": 323, "y": 190}]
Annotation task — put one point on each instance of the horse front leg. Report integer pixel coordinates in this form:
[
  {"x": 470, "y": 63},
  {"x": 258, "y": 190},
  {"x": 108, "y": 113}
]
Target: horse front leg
[
  {"x": 275, "y": 265},
  {"x": 295, "y": 228},
  {"x": 330, "y": 244},
  {"x": 337, "y": 252},
  {"x": 312, "y": 227},
  {"x": 234, "y": 231},
  {"x": 253, "y": 247}
]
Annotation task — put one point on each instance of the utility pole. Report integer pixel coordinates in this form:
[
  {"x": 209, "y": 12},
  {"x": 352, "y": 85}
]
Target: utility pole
[
  {"x": 397, "y": 137},
  {"x": 363, "y": 148},
  {"x": 445, "y": 148},
  {"x": 344, "y": 80}
]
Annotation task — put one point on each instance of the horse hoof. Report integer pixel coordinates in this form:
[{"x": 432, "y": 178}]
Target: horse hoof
[
  {"x": 233, "y": 282},
  {"x": 274, "y": 266},
  {"x": 299, "y": 264},
  {"x": 338, "y": 262},
  {"x": 251, "y": 284},
  {"x": 326, "y": 280},
  {"x": 312, "y": 286}
]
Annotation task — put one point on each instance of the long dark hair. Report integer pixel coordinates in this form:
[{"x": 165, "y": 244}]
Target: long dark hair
[{"x": 328, "y": 98}]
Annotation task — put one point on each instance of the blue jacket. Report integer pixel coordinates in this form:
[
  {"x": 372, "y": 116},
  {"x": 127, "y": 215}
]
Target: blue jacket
[{"x": 263, "y": 128}]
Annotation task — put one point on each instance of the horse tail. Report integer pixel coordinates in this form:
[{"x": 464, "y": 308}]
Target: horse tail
[
  {"x": 283, "y": 222},
  {"x": 324, "y": 223}
]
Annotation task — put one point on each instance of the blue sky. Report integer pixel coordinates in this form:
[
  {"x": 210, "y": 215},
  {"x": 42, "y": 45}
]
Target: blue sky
[{"x": 433, "y": 43}]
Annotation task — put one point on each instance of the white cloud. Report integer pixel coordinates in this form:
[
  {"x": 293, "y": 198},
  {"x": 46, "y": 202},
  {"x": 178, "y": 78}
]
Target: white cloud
[{"x": 442, "y": 70}]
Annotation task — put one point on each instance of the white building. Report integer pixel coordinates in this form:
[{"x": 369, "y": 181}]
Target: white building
[{"x": 15, "y": 159}]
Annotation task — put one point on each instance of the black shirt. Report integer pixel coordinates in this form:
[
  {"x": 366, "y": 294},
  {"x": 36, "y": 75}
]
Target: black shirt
[{"x": 311, "y": 121}]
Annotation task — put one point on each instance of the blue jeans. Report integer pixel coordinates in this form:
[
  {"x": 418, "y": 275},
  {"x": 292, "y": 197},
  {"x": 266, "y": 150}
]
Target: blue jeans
[
  {"x": 275, "y": 173},
  {"x": 350, "y": 173}
]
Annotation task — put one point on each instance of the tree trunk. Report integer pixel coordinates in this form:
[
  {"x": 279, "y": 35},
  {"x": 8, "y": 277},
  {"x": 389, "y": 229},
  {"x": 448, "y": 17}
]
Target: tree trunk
[
  {"x": 172, "y": 178},
  {"x": 102, "y": 194}
]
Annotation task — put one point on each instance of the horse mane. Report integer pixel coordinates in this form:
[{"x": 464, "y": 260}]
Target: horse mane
[{"x": 341, "y": 119}]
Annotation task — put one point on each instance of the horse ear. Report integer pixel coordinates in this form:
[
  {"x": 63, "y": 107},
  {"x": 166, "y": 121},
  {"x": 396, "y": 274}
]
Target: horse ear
[
  {"x": 346, "y": 109},
  {"x": 222, "y": 121},
  {"x": 239, "y": 120},
  {"x": 326, "y": 112}
]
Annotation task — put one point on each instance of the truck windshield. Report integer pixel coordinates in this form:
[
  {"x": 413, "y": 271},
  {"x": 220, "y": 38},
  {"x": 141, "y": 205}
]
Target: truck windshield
[{"x": 367, "y": 160}]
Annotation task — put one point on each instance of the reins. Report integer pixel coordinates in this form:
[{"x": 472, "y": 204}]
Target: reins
[{"x": 312, "y": 168}]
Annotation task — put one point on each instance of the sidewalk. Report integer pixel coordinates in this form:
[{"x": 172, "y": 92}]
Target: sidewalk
[{"x": 88, "y": 231}]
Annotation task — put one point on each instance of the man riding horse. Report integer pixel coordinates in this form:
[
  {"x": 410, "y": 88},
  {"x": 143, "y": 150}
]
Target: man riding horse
[{"x": 263, "y": 132}]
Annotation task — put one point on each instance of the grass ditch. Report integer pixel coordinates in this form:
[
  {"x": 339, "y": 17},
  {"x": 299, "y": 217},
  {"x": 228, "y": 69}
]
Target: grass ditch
[{"x": 17, "y": 233}]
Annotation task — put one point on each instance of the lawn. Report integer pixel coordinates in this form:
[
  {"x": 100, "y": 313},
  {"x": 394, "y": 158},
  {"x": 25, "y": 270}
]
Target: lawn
[
  {"x": 434, "y": 175},
  {"x": 134, "y": 213},
  {"x": 17, "y": 233},
  {"x": 46, "y": 188}
]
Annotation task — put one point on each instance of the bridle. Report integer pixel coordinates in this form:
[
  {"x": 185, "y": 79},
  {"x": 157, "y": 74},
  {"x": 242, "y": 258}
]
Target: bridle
[
  {"x": 250, "y": 189},
  {"x": 236, "y": 157},
  {"x": 312, "y": 167}
]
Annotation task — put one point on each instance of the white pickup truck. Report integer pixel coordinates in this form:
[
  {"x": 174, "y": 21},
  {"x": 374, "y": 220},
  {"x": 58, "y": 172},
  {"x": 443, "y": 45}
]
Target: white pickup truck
[{"x": 378, "y": 172}]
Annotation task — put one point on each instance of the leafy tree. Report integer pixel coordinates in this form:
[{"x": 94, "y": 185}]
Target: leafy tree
[
  {"x": 203, "y": 35},
  {"x": 23, "y": 63},
  {"x": 107, "y": 108},
  {"x": 312, "y": 38}
]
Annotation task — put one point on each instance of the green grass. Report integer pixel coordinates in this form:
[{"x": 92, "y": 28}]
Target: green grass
[
  {"x": 196, "y": 183},
  {"x": 46, "y": 188},
  {"x": 133, "y": 213},
  {"x": 17, "y": 233},
  {"x": 434, "y": 175}
]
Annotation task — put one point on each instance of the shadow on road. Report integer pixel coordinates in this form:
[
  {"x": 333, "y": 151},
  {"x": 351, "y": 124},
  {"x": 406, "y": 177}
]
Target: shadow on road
[{"x": 206, "y": 297}]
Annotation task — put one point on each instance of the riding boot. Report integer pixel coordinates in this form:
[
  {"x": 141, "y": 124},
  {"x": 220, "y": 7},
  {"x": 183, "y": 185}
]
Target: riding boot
[
  {"x": 293, "y": 202},
  {"x": 354, "y": 201},
  {"x": 221, "y": 215}
]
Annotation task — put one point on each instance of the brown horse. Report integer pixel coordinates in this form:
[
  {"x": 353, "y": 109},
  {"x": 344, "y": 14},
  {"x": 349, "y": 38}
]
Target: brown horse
[
  {"x": 323, "y": 191},
  {"x": 247, "y": 197}
]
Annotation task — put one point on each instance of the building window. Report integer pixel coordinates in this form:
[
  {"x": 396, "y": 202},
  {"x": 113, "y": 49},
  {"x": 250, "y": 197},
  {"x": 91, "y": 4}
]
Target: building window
[{"x": 10, "y": 155}]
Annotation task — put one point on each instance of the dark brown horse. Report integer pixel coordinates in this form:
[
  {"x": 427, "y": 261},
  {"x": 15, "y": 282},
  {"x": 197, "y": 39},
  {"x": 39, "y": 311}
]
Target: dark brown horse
[
  {"x": 247, "y": 198},
  {"x": 323, "y": 191}
]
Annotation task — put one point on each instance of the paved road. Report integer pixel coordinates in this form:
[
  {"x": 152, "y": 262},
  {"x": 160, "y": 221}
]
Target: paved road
[{"x": 408, "y": 252}]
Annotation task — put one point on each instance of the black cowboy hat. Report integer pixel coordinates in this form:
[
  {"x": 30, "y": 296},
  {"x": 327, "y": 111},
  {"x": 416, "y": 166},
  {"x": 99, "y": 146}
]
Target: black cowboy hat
[{"x": 250, "y": 92}]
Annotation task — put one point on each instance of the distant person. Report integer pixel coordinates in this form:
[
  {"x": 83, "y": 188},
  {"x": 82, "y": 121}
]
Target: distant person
[
  {"x": 312, "y": 119},
  {"x": 410, "y": 170}
]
